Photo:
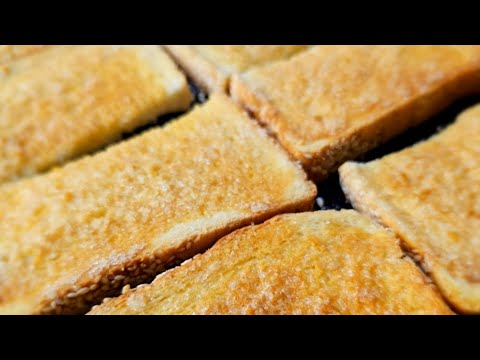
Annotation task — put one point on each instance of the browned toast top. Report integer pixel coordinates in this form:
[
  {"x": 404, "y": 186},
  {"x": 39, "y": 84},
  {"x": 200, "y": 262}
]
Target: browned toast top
[
  {"x": 330, "y": 103},
  {"x": 430, "y": 195},
  {"x": 72, "y": 235},
  {"x": 325, "y": 262},
  {"x": 65, "y": 101}
]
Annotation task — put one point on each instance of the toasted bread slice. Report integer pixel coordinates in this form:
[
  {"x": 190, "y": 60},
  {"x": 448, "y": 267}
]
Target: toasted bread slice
[
  {"x": 325, "y": 262},
  {"x": 333, "y": 103},
  {"x": 82, "y": 232},
  {"x": 429, "y": 195},
  {"x": 211, "y": 66},
  {"x": 12, "y": 52},
  {"x": 65, "y": 101}
]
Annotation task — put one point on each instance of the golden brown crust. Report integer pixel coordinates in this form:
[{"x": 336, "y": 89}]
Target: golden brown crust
[
  {"x": 81, "y": 232},
  {"x": 429, "y": 195},
  {"x": 211, "y": 66},
  {"x": 66, "y": 101},
  {"x": 333, "y": 103},
  {"x": 324, "y": 262}
]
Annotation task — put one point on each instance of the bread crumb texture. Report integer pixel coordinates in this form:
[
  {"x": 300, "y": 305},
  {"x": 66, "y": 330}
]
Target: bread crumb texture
[
  {"x": 324, "y": 262},
  {"x": 329, "y": 104},
  {"x": 65, "y": 101},
  {"x": 429, "y": 194},
  {"x": 81, "y": 232},
  {"x": 238, "y": 58}
]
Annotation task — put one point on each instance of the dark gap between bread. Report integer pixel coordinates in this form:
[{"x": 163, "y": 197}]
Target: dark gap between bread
[{"x": 330, "y": 190}]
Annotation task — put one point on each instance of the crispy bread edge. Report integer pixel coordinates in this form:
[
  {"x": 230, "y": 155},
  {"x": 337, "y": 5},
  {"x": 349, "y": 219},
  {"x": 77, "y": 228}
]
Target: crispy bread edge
[
  {"x": 141, "y": 269},
  {"x": 83, "y": 296},
  {"x": 204, "y": 73},
  {"x": 324, "y": 158},
  {"x": 120, "y": 301},
  {"x": 370, "y": 203}
]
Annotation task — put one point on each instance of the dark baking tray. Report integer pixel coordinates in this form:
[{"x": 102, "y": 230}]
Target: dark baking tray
[{"x": 330, "y": 190}]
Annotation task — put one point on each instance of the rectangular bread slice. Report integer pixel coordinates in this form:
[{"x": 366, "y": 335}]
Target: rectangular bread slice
[
  {"x": 211, "y": 66},
  {"x": 429, "y": 194},
  {"x": 324, "y": 262},
  {"x": 80, "y": 233},
  {"x": 66, "y": 101},
  {"x": 330, "y": 104}
]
